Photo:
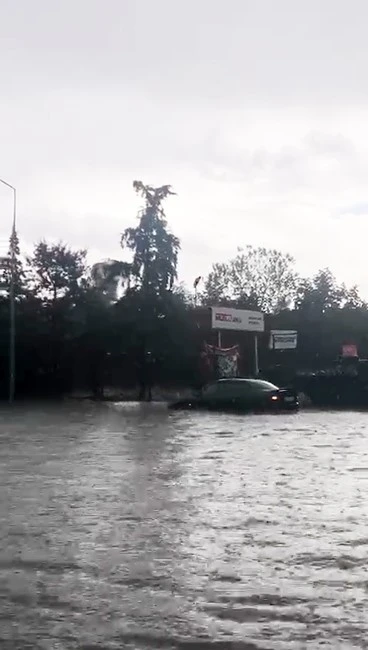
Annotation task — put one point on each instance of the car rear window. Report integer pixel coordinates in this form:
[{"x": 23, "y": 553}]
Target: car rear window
[{"x": 263, "y": 385}]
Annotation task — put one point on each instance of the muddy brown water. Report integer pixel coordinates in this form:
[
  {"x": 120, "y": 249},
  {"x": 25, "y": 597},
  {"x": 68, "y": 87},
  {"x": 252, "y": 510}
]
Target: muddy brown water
[{"x": 126, "y": 526}]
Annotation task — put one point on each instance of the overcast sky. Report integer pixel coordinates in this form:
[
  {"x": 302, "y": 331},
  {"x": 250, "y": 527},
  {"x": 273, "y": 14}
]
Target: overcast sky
[{"x": 254, "y": 110}]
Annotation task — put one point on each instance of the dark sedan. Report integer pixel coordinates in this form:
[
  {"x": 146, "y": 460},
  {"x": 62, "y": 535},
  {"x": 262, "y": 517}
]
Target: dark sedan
[{"x": 242, "y": 395}]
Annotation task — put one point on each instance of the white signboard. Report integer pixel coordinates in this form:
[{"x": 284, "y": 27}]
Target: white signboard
[
  {"x": 224, "y": 318},
  {"x": 283, "y": 339}
]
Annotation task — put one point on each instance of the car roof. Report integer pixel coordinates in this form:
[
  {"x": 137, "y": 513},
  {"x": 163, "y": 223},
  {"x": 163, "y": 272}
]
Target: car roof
[
  {"x": 245, "y": 380},
  {"x": 238, "y": 379}
]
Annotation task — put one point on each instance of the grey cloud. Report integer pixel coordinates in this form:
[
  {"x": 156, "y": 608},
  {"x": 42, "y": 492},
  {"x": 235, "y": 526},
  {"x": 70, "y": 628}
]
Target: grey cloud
[
  {"x": 257, "y": 52},
  {"x": 226, "y": 162},
  {"x": 357, "y": 209},
  {"x": 334, "y": 144},
  {"x": 99, "y": 234},
  {"x": 94, "y": 93}
]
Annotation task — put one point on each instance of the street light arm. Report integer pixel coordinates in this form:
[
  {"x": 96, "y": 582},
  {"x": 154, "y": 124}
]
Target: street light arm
[
  {"x": 7, "y": 184},
  {"x": 15, "y": 200}
]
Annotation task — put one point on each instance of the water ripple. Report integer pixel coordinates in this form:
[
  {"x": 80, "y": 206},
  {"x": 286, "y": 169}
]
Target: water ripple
[{"x": 125, "y": 526}]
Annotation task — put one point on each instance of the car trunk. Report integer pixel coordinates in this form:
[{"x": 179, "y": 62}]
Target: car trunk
[{"x": 283, "y": 397}]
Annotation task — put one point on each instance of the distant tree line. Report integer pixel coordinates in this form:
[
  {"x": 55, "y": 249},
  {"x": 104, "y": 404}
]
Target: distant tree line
[{"x": 128, "y": 324}]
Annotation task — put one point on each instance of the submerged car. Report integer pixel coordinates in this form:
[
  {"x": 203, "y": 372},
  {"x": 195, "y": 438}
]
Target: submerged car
[{"x": 241, "y": 395}]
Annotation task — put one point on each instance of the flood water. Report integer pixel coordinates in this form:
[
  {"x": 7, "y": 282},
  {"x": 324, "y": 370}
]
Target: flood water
[{"x": 131, "y": 527}]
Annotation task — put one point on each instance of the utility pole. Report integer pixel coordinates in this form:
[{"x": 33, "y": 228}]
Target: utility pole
[{"x": 12, "y": 296}]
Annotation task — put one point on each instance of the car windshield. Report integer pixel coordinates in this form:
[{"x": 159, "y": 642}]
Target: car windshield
[{"x": 261, "y": 384}]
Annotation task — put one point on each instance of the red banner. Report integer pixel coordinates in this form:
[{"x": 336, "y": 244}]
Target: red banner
[
  {"x": 223, "y": 362},
  {"x": 349, "y": 350}
]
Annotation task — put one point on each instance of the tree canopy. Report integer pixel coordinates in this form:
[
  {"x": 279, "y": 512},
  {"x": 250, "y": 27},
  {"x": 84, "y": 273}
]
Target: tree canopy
[
  {"x": 155, "y": 249},
  {"x": 75, "y": 330},
  {"x": 257, "y": 278}
]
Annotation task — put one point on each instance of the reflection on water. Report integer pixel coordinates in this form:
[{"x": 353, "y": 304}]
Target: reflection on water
[{"x": 125, "y": 526}]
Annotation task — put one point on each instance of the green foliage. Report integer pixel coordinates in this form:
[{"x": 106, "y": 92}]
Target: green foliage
[
  {"x": 73, "y": 327},
  {"x": 74, "y": 330},
  {"x": 14, "y": 263},
  {"x": 155, "y": 250},
  {"x": 256, "y": 278},
  {"x": 153, "y": 269},
  {"x": 322, "y": 293},
  {"x": 57, "y": 271}
]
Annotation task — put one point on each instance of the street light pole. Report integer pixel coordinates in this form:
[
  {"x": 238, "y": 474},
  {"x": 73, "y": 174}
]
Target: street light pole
[{"x": 12, "y": 296}]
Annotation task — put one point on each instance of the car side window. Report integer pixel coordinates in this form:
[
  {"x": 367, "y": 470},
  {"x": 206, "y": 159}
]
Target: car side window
[
  {"x": 251, "y": 389},
  {"x": 210, "y": 390},
  {"x": 225, "y": 390},
  {"x": 241, "y": 390}
]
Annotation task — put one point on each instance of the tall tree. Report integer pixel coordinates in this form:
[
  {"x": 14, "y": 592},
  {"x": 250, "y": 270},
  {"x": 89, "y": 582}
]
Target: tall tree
[
  {"x": 58, "y": 275},
  {"x": 256, "y": 277},
  {"x": 19, "y": 275},
  {"x": 352, "y": 298},
  {"x": 155, "y": 250},
  {"x": 321, "y": 293},
  {"x": 57, "y": 270},
  {"x": 152, "y": 275}
]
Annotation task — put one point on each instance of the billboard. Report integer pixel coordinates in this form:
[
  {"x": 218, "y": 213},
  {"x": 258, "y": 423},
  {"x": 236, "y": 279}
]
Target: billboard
[
  {"x": 283, "y": 339},
  {"x": 225, "y": 318}
]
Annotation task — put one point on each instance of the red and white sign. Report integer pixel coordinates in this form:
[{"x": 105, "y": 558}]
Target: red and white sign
[
  {"x": 349, "y": 350},
  {"x": 225, "y": 318}
]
